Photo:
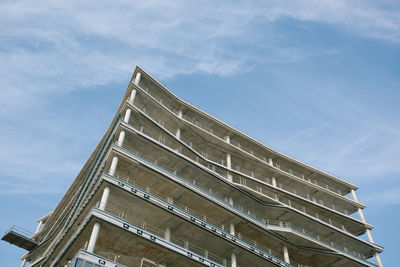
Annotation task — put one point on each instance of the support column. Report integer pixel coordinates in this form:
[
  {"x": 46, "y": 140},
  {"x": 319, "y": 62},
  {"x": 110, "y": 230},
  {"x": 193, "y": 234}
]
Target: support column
[
  {"x": 121, "y": 138},
  {"x": 230, "y": 178},
  {"x": 232, "y": 229},
  {"x": 270, "y": 162},
  {"x": 228, "y": 139},
  {"x": 39, "y": 226},
  {"x": 127, "y": 115},
  {"x": 180, "y": 113},
  {"x": 178, "y": 133},
  {"x": 93, "y": 237},
  {"x": 369, "y": 236},
  {"x": 354, "y": 195},
  {"x": 113, "y": 166},
  {"x": 132, "y": 96},
  {"x": 228, "y": 161},
  {"x": 361, "y": 215},
  {"x": 273, "y": 181},
  {"x": 137, "y": 78},
  {"x": 233, "y": 260},
  {"x": 104, "y": 198},
  {"x": 378, "y": 260},
  {"x": 23, "y": 263},
  {"x": 286, "y": 254},
  {"x": 168, "y": 234},
  {"x": 230, "y": 200}
]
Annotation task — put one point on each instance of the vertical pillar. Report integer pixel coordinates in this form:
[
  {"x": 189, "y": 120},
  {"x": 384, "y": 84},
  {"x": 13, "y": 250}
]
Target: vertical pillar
[
  {"x": 354, "y": 195},
  {"x": 104, "y": 198},
  {"x": 369, "y": 236},
  {"x": 233, "y": 260},
  {"x": 228, "y": 139},
  {"x": 39, "y": 226},
  {"x": 178, "y": 133},
  {"x": 113, "y": 166},
  {"x": 23, "y": 263},
  {"x": 127, "y": 115},
  {"x": 228, "y": 161},
  {"x": 286, "y": 254},
  {"x": 273, "y": 181},
  {"x": 168, "y": 234},
  {"x": 270, "y": 162},
  {"x": 137, "y": 78},
  {"x": 230, "y": 200},
  {"x": 378, "y": 260},
  {"x": 180, "y": 113},
  {"x": 93, "y": 237},
  {"x": 132, "y": 97},
  {"x": 121, "y": 138},
  {"x": 232, "y": 229},
  {"x": 361, "y": 215}
]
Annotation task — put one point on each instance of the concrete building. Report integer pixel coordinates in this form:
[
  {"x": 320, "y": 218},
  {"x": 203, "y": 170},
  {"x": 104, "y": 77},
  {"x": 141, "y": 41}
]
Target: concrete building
[{"x": 170, "y": 185}]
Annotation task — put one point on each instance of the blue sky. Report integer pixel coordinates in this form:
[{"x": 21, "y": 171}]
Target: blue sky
[{"x": 318, "y": 80}]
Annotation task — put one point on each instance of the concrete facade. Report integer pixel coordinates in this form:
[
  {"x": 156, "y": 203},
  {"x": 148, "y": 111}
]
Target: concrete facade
[{"x": 169, "y": 185}]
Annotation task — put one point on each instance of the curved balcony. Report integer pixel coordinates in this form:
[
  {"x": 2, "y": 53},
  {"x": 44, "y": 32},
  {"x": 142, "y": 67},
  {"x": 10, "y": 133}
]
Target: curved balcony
[
  {"x": 256, "y": 155},
  {"x": 246, "y": 214},
  {"x": 193, "y": 216},
  {"x": 290, "y": 174},
  {"x": 290, "y": 204}
]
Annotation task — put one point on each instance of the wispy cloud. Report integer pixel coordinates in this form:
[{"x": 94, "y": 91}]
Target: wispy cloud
[{"x": 51, "y": 48}]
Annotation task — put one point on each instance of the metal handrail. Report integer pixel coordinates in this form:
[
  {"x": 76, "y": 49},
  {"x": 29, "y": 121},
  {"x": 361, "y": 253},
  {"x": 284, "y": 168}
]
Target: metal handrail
[
  {"x": 120, "y": 212},
  {"x": 215, "y": 168},
  {"x": 19, "y": 230},
  {"x": 200, "y": 216},
  {"x": 287, "y": 226}
]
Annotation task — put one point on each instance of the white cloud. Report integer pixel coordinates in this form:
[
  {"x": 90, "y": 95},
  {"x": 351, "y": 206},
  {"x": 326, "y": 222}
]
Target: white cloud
[{"x": 53, "y": 47}]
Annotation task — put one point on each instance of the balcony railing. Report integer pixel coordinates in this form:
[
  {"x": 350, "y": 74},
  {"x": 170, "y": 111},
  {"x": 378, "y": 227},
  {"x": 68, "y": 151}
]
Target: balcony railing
[
  {"x": 202, "y": 217},
  {"x": 247, "y": 212},
  {"x": 123, "y": 213},
  {"x": 246, "y": 172},
  {"x": 218, "y": 169},
  {"x": 259, "y": 156}
]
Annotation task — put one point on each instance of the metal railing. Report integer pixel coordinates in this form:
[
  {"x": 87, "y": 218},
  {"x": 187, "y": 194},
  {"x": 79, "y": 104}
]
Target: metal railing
[
  {"x": 238, "y": 145},
  {"x": 159, "y": 137},
  {"x": 201, "y": 217},
  {"x": 246, "y": 212},
  {"x": 20, "y": 231},
  {"x": 124, "y": 214},
  {"x": 247, "y": 172}
]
